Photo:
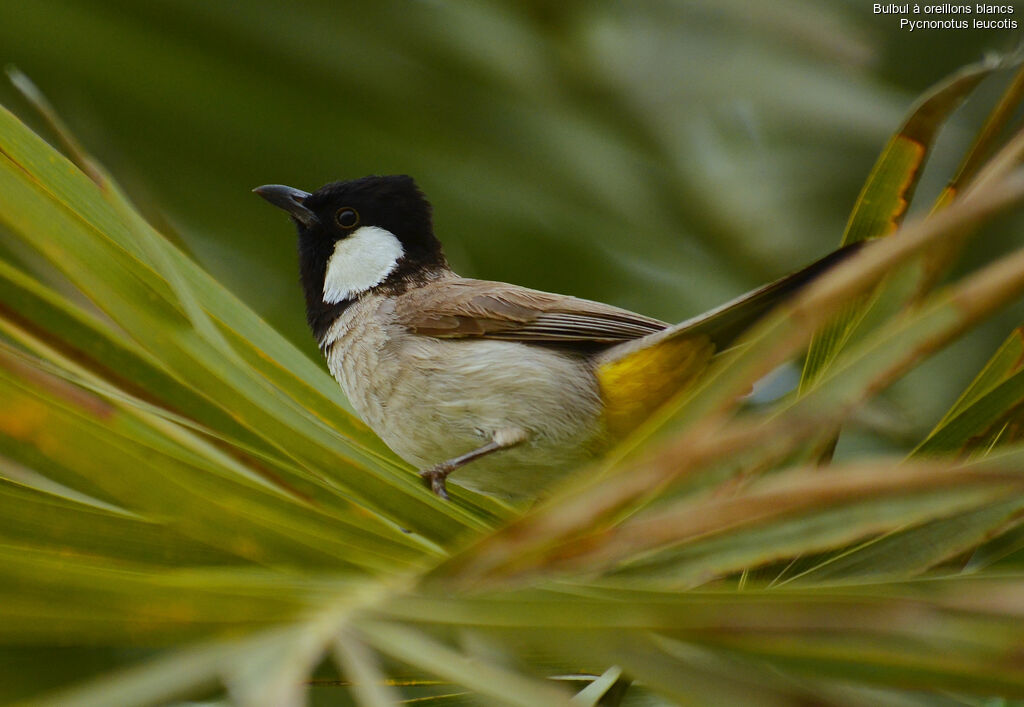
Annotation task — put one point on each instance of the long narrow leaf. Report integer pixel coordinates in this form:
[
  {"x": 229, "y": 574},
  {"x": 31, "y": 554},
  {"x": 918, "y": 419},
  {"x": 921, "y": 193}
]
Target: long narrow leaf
[
  {"x": 584, "y": 504},
  {"x": 999, "y": 387},
  {"x": 99, "y": 250},
  {"x": 883, "y": 201}
]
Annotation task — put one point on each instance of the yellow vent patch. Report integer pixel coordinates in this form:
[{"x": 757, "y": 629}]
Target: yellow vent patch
[{"x": 635, "y": 385}]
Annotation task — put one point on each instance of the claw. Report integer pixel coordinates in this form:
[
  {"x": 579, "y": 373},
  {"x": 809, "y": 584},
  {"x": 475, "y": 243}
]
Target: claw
[
  {"x": 434, "y": 479},
  {"x": 435, "y": 476},
  {"x": 438, "y": 486}
]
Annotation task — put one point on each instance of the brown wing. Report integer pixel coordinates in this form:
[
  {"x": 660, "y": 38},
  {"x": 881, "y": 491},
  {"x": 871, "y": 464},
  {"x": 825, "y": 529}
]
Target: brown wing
[{"x": 461, "y": 307}]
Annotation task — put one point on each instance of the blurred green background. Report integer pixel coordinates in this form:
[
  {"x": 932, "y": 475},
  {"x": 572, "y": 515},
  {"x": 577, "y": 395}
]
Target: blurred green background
[{"x": 661, "y": 156}]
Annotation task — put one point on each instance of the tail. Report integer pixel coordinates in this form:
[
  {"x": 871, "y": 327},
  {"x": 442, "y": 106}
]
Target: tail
[{"x": 638, "y": 376}]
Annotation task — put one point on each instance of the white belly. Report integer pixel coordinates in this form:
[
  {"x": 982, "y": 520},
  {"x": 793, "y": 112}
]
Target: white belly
[{"x": 433, "y": 399}]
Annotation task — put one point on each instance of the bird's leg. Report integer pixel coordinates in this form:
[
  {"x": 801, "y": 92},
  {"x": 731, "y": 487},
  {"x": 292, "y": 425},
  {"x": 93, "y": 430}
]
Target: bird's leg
[{"x": 435, "y": 476}]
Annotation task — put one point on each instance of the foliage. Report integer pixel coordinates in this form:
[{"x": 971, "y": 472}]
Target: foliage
[{"x": 190, "y": 511}]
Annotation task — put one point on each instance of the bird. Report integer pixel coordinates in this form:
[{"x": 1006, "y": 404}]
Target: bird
[{"x": 506, "y": 387}]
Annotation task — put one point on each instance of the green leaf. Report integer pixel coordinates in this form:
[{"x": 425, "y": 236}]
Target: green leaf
[
  {"x": 105, "y": 251},
  {"x": 908, "y": 552},
  {"x": 782, "y": 516},
  {"x": 498, "y": 684},
  {"x": 996, "y": 391},
  {"x": 87, "y": 438},
  {"x": 72, "y": 528},
  {"x": 884, "y": 199},
  {"x": 957, "y": 634},
  {"x": 706, "y": 438},
  {"x": 185, "y": 491},
  {"x": 936, "y": 262},
  {"x": 358, "y": 662}
]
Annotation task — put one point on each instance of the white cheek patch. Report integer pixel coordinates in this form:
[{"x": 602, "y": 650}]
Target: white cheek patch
[{"x": 359, "y": 262}]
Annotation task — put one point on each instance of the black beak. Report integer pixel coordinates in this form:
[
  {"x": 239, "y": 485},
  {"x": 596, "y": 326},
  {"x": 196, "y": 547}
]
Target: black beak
[{"x": 291, "y": 200}]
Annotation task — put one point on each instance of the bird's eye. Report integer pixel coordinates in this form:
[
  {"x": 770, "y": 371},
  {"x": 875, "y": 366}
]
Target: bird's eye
[{"x": 347, "y": 218}]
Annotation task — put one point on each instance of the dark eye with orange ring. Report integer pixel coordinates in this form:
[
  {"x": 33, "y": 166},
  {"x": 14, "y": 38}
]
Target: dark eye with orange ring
[{"x": 347, "y": 218}]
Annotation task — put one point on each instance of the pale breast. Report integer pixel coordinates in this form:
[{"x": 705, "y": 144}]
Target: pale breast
[
  {"x": 433, "y": 399},
  {"x": 356, "y": 352}
]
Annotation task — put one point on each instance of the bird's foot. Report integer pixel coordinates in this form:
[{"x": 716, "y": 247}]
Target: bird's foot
[{"x": 435, "y": 478}]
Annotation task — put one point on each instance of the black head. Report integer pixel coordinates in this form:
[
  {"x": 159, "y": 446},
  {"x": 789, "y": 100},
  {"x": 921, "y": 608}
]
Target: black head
[{"x": 356, "y": 237}]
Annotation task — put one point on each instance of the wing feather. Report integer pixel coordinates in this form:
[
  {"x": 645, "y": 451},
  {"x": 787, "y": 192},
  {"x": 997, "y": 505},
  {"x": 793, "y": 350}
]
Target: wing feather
[
  {"x": 460, "y": 308},
  {"x": 457, "y": 307}
]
